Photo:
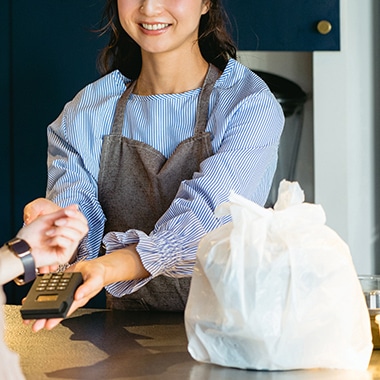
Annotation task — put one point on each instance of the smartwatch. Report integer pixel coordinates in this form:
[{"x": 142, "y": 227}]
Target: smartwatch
[{"x": 23, "y": 251}]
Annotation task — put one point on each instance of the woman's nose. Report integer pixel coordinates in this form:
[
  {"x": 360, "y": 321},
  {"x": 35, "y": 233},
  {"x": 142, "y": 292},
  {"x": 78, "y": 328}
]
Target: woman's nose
[{"x": 151, "y": 7}]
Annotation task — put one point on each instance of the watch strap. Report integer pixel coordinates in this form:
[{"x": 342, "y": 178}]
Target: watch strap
[{"x": 23, "y": 251}]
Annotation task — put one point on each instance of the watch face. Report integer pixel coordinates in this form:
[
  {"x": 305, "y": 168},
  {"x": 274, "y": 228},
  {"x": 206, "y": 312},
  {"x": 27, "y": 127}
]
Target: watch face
[{"x": 19, "y": 246}]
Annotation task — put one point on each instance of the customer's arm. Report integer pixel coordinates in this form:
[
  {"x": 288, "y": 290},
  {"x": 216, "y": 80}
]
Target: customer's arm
[
  {"x": 51, "y": 240},
  {"x": 10, "y": 265}
]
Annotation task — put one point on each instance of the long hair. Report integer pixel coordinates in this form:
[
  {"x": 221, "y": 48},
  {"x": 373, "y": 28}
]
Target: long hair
[{"x": 124, "y": 54}]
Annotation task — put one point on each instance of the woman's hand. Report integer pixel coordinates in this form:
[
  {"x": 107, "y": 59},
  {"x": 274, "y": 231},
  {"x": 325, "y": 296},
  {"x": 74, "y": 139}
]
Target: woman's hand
[
  {"x": 38, "y": 207},
  {"x": 93, "y": 272},
  {"x": 121, "y": 265}
]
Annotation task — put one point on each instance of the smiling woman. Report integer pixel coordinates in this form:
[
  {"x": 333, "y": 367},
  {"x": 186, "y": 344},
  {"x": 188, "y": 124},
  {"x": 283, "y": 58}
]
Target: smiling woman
[{"x": 153, "y": 147}]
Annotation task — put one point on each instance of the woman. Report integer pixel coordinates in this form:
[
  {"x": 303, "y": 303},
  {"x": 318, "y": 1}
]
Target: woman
[
  {"x": 48, "y": 241},
  {"x": 150, "y": 149}
]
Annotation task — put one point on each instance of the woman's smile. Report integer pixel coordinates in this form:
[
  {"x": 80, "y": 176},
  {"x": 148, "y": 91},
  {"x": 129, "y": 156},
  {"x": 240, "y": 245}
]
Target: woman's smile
[{"x": 154, "y": 26}]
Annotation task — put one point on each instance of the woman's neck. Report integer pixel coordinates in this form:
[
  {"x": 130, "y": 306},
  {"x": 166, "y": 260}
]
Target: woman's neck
[{"x": 170, "y": 75}]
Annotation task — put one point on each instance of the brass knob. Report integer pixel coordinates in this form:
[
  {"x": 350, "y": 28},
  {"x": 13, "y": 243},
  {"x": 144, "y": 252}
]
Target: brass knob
[{"x": 324, "y": 27}]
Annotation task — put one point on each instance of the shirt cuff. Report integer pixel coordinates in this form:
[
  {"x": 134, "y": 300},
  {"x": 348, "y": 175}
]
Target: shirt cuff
[
  {"x": 118, "y": 240},
  {"x": 155, "y": 258}
]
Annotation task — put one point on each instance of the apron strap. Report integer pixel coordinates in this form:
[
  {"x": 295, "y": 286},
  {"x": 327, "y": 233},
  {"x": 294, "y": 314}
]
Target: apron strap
[
  {"x": 204, "y": 98},
  {"x": 118, "y": 121}
]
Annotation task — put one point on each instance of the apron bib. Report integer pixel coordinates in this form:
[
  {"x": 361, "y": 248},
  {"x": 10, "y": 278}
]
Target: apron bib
[{"x": 137, "y": 185}]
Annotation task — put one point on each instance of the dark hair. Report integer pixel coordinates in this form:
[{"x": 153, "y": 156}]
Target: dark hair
[{"x": 123, "y": 53}]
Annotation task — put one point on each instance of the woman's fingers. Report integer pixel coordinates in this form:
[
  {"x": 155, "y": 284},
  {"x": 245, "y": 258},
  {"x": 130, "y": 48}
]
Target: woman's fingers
[
  {"x": 39, "y": 324},
  {"x": 40, "y": 206},
  {"x": 49, "y": 324}
]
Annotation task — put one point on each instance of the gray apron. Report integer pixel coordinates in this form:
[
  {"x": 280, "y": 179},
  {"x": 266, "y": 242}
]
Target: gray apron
[{"x": 137, "y": 185}]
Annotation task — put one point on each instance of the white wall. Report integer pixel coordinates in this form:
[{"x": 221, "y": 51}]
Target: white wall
[
  {"x": 337, "y": 167},
  {"x": 344, "y": 133}
]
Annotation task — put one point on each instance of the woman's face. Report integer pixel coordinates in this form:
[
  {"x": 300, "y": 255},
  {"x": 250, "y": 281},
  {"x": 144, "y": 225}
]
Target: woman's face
[{"x": 160, "y": 26}]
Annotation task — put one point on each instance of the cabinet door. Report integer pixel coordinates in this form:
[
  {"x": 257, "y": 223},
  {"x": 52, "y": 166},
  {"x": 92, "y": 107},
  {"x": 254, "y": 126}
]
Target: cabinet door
[
  {"x": 5, "y": 112},
  {"x": 51, "y": 54},
  {"x": 291, "y": 25}
]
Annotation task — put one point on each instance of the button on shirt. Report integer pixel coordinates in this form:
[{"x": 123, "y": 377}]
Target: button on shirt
[{"x": 245, "y": 122}]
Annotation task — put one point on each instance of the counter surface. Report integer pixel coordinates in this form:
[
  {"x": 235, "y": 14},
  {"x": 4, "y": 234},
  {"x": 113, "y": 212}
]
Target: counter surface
[{"x": 103, "y": 344}]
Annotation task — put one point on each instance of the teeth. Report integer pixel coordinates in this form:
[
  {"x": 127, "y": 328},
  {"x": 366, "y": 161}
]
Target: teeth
[{"x": 154, "y": 26}]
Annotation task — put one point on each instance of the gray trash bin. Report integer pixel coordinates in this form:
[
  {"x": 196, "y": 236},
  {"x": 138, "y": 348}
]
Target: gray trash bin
[{"x": 292, "y": 99}]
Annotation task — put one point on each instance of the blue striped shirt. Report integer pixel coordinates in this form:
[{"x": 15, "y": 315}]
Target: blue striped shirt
[{"x": 245, "y": 123}]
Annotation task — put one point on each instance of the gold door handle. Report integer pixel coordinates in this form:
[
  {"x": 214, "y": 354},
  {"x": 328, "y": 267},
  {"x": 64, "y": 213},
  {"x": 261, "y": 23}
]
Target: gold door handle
[{"x": 324, "y": 27}]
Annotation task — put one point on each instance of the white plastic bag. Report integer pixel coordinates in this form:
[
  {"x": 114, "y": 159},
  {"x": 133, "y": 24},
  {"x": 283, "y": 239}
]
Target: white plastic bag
[{"x": 277, "y": 289}]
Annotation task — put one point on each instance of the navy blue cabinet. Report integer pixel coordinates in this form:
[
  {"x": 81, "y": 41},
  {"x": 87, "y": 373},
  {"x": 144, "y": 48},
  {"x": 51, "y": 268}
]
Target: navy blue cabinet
[
  {"x": 5, "y": 112},
  {"x": 49, "y": 53},
  {"x": 291, "y": 25}
]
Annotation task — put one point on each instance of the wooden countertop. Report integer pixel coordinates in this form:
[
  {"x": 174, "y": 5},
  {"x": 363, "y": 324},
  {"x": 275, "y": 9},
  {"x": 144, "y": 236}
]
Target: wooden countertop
[{"x": 104, "y": 344}]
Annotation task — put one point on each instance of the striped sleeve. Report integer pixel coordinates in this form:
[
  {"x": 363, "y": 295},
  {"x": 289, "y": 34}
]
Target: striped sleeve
[{"x": 74, "y": 150}]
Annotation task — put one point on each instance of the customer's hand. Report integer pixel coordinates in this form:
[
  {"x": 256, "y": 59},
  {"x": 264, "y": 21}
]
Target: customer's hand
[
  {"x": 38, "y": 207},
  {"x": 93, "y": 272},
  {"x": 54, "y": 237}
]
